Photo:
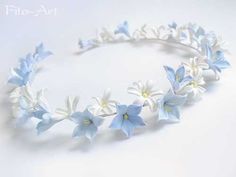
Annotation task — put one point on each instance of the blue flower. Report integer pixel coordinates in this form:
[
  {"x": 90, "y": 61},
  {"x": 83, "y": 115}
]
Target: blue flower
[
  {"x": 87, "y": 124},
  {"x": 46, "y": 122},
  {"x": 127, "y": 118},
  {"x": 41, "y": 53},
  {"x": 28, "y": 106},
  {"x": 196, "y": 31},
  {"x": 168, "y": 106},
  {"x": 173, "y": 25},
  {"x": 25, "y": 110},
  {"x": 123, "y": 29},
  {"x": 25, "y": 73},
  {"x": 177, "y": 78},
  {"x": 216, "y": 61},
  {"x": 87, "y": 44}
]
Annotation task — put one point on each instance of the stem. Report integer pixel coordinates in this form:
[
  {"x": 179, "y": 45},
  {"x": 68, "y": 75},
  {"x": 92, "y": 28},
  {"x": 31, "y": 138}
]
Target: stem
[{"x": 131, "y": 40}]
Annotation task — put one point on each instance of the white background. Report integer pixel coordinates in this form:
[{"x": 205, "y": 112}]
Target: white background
[{"x": 201, "y": 145}]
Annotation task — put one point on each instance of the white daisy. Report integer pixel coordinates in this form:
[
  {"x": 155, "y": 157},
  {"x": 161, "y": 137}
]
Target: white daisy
[{"x": 147, "y": 94}]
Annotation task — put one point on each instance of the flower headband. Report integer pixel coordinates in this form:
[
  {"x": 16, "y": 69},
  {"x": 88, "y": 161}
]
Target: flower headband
[{"x": 187, "y": 82}]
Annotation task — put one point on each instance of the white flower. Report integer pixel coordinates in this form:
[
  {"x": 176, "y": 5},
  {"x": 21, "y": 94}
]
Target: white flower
[
  {"x": 195, "y": 66},
  {"x": 195, "y": 88},
  {"x": 27, "y": 93},
  {"x": 23, "y": 98},
  {"x": 220, "y": 45},
  {"x": 105, "y": 35},
  {"x": 103, "y": 105},
  {"x": 146, "y": 93},
  {"x": 71, "y": 106}
]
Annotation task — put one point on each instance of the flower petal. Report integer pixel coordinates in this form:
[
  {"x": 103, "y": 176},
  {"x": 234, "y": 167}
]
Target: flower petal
[
  {"x": 117, "y": 122},
  {"x": 121, "y": 109},
  {"x": 170, "y": 74},
  {"x": 91, "y": 131},
  {"x": 79, "y": 131},
  {"x": 136, "y": 120},
  {"x": 127, "y": 128},
  {"x": 134, "y": 109}
]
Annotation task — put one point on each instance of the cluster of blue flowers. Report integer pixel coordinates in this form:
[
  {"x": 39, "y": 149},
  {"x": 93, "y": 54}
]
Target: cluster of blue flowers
[{"x": 25, "y": 73}]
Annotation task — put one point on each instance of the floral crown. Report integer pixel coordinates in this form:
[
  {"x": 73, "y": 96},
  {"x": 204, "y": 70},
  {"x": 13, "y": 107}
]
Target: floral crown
[{"x": 187, "y": 82}]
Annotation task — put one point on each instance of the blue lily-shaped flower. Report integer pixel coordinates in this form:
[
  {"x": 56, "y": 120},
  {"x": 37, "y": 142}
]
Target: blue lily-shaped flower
[
  {"x": 178, "y": 78},
  {"x": 176, "y": 32},
  {"x": 47, "y": 121},
  {"x": 87, "y": 44},
  {"x": 87, "y": 124},
  {"x": 127, "y": 118},
  {"x": 168, "y": 106},
  {"x": 173, "y": 25},
  {"x": 41, "y": 53},
  {"x": 26, "y": 110},
  {"x": 123, "y": 29},
  {"x": 24, "y": 74},
  {"x": 196, "y": 31},
  {"x": 22, "y": 112},
  {"x": 216, "y": 61}
]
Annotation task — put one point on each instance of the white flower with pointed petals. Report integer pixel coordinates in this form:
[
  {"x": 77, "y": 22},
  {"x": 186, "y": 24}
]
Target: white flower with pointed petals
[
  {"x": 195, "y": 66},
  {"x": 220, "y": 45},
  {"x": 71, "y": 106},
  {"x": 32, "y": 100},
  {"x": 195, "y": 88},
  {"x": 147, "y": 94},
  {"x": 103, "y": 105}
]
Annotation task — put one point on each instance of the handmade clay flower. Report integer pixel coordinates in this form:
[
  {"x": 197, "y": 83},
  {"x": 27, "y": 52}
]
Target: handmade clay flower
[
  {"x": 216, "y": 61},
  {"x": 127, "y": 118},
  {"x": 40, "y": 53},
  {"x": 176, "y": 33},
  {"x": 87, "y": 122},
  {"x": 195, "y": 66},
  {"x": 195, "y": 88},
  {"x": 27, "y": 105},
  {"x": 178, "y": 78},
  {"x": 146, "y": 93},
  {"x": 87, "y": 44},
  {"x": 24, "y": 74},
  {"x": 123, "y": 29},
  {"x": 71, "y": 107},
  {"x": 46, "y": 123},
  {"x": 104, "y": 105},
  {"x": 168, "y": 106}
]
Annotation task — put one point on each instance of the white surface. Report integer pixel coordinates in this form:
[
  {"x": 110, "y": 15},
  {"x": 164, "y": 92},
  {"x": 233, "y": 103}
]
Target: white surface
[{"x": 202, "y": 145}]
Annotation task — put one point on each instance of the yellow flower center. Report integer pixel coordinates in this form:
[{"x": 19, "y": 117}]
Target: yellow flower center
[
  {"x": 87, "y": 122},
  {"x": 104, "y": 104},
  {"x": 177, "y": 78},
  {"x": 145, "y": 94},
  {"x": 194, "y": 84},
  {"x": 125, "y": 116},
  {"x": 167, "y": 109}
]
